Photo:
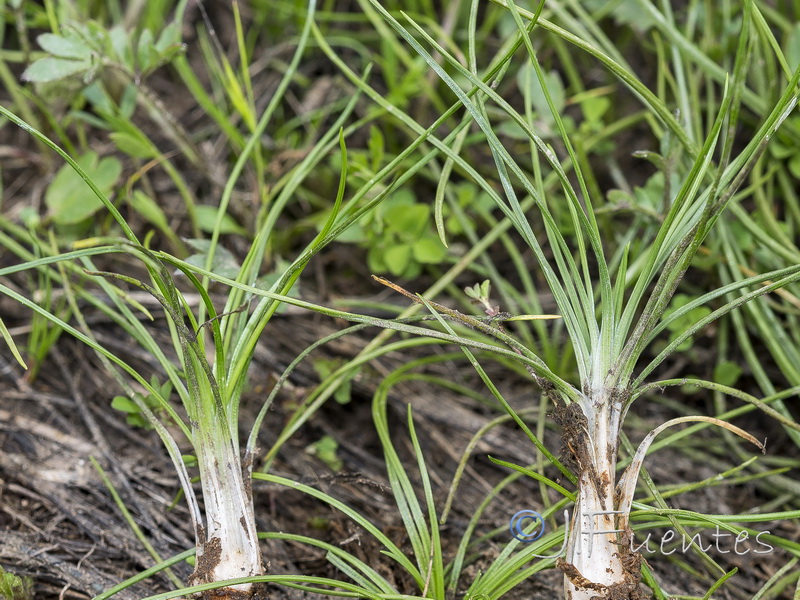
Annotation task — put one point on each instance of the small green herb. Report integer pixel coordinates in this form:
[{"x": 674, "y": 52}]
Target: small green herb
[
  {"x": 325, "y": 449},
  {"x": 132, "y": 410}
]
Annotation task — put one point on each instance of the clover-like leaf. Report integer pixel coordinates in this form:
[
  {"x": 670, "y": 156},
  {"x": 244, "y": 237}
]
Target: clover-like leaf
[
  {"x": 679, "y": 325},
  {"x": 727, "y": 373}
]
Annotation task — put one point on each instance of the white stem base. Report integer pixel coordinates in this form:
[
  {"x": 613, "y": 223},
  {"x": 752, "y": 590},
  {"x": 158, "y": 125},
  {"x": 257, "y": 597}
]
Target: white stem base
[
  {"x": 599, "y": 563},
  {"x": 229, "y": 548}
]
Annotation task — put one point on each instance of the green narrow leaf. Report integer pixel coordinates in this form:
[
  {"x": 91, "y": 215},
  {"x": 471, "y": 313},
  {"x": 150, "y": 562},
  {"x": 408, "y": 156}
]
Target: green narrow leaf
[
  {"x": 390, "y": 548},
  {"x": 146, "y": 54},
  {"x": 10, "y": 341},
  {"x": 499, "y": 397},
  {"x": 337, "y": 203},
  {"x": 120, "y": 45},
  {"x": 534, "y": 475},
  {"x": 435, "y": 570},
  {"x": 719, "y": 582},
  {"x": 793, "y": 47},
  {"x": 403, "y": 490},
  {"x": 620, "y": 283},
  {"x": 169, "y": 36},
  {"x": 132, "y": 145},
  {"x": 149, "y": 209},
  {"x": 444, "y": 178}
]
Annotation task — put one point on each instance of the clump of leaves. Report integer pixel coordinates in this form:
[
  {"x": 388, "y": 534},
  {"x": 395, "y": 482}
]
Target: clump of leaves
[
  {"x": 399, "y": 236},
  {"x": 645, "y": 200},
  {"x": 594, "y": 106},
  {"x": 85, "y": 48}
]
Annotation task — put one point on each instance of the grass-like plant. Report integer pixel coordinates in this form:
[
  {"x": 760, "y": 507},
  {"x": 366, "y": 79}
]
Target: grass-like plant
[
  {"x": 212, "y": 347},
  {"x": 614, "y": 300}
]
